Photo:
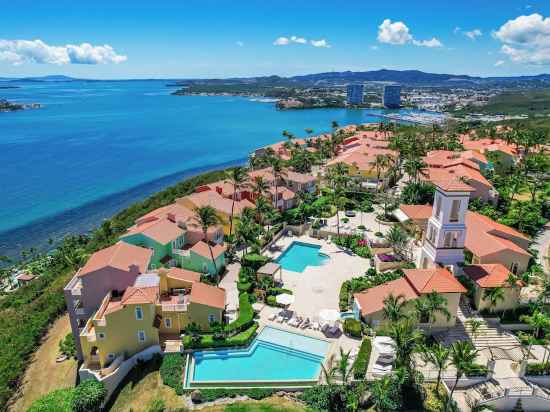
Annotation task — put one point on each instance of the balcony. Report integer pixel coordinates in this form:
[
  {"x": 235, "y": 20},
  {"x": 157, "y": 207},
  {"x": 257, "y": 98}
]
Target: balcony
[
  {"x": 75, "y": 286},
  {"x": 174, "y": 302},
  {"x": 181, "y": 252}
]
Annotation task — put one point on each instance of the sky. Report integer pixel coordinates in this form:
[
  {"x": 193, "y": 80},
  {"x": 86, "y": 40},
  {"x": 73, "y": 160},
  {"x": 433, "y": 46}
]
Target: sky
[{"x": 200, "y": 39}]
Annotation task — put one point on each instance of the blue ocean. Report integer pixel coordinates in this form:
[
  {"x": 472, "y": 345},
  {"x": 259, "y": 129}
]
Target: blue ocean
[{"x": 97, "y": 146}]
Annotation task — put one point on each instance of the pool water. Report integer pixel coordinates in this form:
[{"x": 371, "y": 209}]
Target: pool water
[
  {"x": 299, "y": 255},
  {"x": 275, "y": 355}
]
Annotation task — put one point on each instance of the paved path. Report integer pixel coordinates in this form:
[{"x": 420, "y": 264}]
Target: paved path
[
  {"x": 541, "y": 244},
  {"x": 229, "y": 283}
]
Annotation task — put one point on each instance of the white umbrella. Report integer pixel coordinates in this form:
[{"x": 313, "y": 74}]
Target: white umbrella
[
  {"x": 329, "y": 316},
  {"x": 284, "y": 299}
]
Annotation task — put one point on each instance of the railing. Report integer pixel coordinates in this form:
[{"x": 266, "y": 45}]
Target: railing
[
  {"x": 175, "y": 307},
  {"x": 101, "y": 322},
  {"x": 180, "y": 252}
]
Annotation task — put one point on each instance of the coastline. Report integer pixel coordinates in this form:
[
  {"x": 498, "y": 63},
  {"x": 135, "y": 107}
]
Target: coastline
[{"x": 84, "y": 218}]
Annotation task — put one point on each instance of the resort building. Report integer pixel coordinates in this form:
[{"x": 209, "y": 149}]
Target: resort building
[
  {"x": 504, "y": 154},
  {"x": 444, "y": 165},
  {"x": 354, "y": 94},
  {"x": 369, "y": 304},
  {"x": 392, "y": 96},
  {"x": 491, "y": 276},
  {"x": 154, "y": 310},
  {"x": 176, "y": 239},
  {"x": 112, "y": 269}
]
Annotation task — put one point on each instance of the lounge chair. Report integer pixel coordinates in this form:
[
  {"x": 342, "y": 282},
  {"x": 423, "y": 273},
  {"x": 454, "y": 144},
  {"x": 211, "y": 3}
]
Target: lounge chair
[
  {"x": 280, "y": 319},
  {"x": 315, "y": 326},
  {"x": 293, "y": 322},
  {"x": 272, "y": 317},
  {"x": 305, "y": 324}
]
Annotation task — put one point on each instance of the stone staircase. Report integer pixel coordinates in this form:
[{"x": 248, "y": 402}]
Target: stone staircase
[{"x": 491, "y": 390}]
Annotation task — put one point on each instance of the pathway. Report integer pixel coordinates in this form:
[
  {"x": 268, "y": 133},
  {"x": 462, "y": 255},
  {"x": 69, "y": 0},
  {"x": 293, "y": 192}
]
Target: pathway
[
  {"x": 541, "y": 244},
  {"x": 229, "y": 283}
]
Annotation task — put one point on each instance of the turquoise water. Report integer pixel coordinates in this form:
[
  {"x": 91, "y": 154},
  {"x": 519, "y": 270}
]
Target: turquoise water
[
  {"x": 275, "y": 355},
  {"x": 98, "y": 146},
  {"x": 299, "y": 255}
]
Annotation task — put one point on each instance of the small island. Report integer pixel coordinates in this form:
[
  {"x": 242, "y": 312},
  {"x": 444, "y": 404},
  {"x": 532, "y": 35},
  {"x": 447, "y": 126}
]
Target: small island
[{"x": 6, "y": 106}]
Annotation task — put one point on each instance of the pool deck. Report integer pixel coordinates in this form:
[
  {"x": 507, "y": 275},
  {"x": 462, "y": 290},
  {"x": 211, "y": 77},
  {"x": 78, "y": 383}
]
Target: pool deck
[{"x": 318, "y": 287}]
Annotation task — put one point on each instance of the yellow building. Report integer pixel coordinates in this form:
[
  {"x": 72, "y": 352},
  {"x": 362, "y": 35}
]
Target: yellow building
[
  {"x": 157, "y": 308},
  {"x": 369, "y": 304},
  {"x": 490, "y": 276}
]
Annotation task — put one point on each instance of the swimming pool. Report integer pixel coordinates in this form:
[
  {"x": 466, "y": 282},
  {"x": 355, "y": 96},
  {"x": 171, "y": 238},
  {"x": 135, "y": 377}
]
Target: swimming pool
[
  {"x": 299, "y": 255},
  {"x": 275, "y": 355}
]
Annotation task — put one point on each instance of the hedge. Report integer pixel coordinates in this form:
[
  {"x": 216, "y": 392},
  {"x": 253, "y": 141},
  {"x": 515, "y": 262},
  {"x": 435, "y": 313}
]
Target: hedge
[
  {"x": 353, "y": 328},
  {"x": 89, "y": 396},
  {"x": 278, "y": 291},
  {"x": 362, "y": 361},
  {"x": 171, "y": 371},
  {"x": 538, "y": 368},
  {"x": 246, "y": 315},
  {"x": 254, "y": 261},
  {"x": 207, "y": 341},
  {"x": 210, "y": 395}
]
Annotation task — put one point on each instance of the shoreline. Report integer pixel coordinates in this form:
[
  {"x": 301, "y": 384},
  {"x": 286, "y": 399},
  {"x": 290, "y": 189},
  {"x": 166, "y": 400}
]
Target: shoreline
[{"x": 82, "y": 219}]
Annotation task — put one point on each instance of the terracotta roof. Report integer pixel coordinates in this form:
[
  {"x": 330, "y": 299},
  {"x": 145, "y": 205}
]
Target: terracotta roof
[
  {"x": 25, "y": 277},
  {"x": 121, "y": 256},
  {"x": 453, "y": 185},
  {"x": 372, "y": 300},
  {"x": 429, "y": 280},
  {"x": 201, "y": 248},
  {"x": 490, "y": 275},
  {"x": 162, "y": 230},
  {"x": 299, "y": 177},
  {"x": 218, "y": 202},
  {"x": 208, "y": 295},
  {"x": 483, "y": 238},
  {"x": 489, "y": 145},
  {"x": 443, "y": 158},
  {"x": 137, "y": 295},
  {"x": 184, "y": 274},
  {"x": 450, "y": 176},
  {"x": 417, "y": 212}
]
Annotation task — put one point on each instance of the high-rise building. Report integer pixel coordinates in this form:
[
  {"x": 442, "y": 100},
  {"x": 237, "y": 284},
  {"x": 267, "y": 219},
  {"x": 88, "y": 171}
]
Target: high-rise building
[
  {"x": 392, "y": 96},
  {"x": 355, "y": 93}
]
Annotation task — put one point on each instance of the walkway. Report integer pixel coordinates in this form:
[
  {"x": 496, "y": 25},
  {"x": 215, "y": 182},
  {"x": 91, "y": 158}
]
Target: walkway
[
  {"x": 541, "y": 244},
  {"x": 229, "y": 283}
]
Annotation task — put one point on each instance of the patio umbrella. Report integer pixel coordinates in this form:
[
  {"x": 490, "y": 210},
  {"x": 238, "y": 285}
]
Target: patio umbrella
[
  {"x": 284, "y": 299},
  {"x": 329, "y": 316}
]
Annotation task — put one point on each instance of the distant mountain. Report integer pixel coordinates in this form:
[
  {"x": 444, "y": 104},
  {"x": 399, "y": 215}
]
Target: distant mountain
[{"x": 51, "y": 78}]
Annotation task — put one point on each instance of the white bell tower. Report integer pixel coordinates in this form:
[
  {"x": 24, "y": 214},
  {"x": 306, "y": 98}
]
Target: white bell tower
[{"x": 446, "y": 230}]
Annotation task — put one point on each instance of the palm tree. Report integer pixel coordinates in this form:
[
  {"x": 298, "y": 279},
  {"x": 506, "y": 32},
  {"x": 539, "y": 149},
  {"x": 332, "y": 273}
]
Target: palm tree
[
  {"x": 259, "y": 186},
  {"x": 329, "y": 370},
  {"x": 381, "y": 162},
  {"x": 439, "y": 356},
  {"x": 279, "y": 173},
  {"x": 206, "y": 217},
  {"x": 493, "y": 295},
  {"x": 475, "y": 325},
  {"x": 344, "y": 371},
  {"x": 393, "y": 307},
  {"x": 414, "y": 167},
  {"x": 263, "y": 206},
  {"x": 437, "y": 304},
  {"x": 238, "y": 178},
  {"x": 397, "y": 238},
  {"x": 407, "y": 338},
  {"x": 386, "y": 394},
  {"x": 337, "y": 198},
  {"x": 463, "y": 356}
]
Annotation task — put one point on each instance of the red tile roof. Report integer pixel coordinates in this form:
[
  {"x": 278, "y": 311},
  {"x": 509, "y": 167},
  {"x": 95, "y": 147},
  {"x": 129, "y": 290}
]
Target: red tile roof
[
  {"x": 372, "y": 300},
  {"x": 451, "y": 185},
  {"x": 162, "y": 230},
  {"x": 184, "y": 274},
  {"x": 122, "y": 256},
  {"x": 201, "y": 248},
  {"x": 490, "y": 275},
  {"x": 417, "y": 212},
  {"x": 433, "y": 280},
  {"x": 208, "y": 295},
  {"x": 140, "y": 295}
]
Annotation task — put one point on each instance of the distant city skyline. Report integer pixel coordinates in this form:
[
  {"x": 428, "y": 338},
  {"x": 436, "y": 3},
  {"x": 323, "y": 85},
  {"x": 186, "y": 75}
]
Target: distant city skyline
[{"x": 192, "y": 39}]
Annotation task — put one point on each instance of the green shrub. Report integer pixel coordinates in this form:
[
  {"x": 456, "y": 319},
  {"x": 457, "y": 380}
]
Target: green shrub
[
  {"x": 88, "y": 396},
  {"x": 352, "y": 327},
  {"x": 272, "y": 301},
  {"x": 435, "y": 400},
  {"x": 362, "y": 361},
  {"x": 254, "y": 261},
  {"x": 60, "y": 400},
  {"x": 325, "y": 398},
  {"x": 538, "y": 368},
  {"x": 278, "y": 291},
  {"x": 244, "y": 286},
  {"x": 477, "y": 370},
  {"x": 67, "y": 346},
  {"x": 207, "y": 341},
  {"x": 171, "y": 371},
  {"x": 246, "y": 315},
  {"x": 210, "y": 395},
  {"x": 345, "y": 296}
]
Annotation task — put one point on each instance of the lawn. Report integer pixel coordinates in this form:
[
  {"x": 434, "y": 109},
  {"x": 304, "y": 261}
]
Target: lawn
[
  {"x": 267, "y": 405},
  {"x": 43, "y": 374},
  {"x": 140, "y": 387}
]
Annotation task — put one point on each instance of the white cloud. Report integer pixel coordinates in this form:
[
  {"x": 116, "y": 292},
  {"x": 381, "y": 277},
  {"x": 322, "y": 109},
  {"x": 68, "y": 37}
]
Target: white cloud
[
  {"x": 398, "y": 33},
  {"x": 281, "y": 41},
  {"x": 299, "y": 40},
  {"x": 240, "y": 43},
  {"x": 473, "y": 34},
  {"x": 433, "y": 42},
  {"x": 526, "y": 39},
  {"x": 456, "y": 30},
  {"x": 393, "y": 33},
  {"x": 19, "y": 52},
  {"x": 499, "y": 63},
  {"x": 320, "y": 43}
]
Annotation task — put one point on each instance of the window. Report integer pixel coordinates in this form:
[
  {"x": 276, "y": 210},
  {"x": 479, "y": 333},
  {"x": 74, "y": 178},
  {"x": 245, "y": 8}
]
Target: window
[
  {"x": 141, "y": 336},
  {"x": 101, "y": 335},
  {"x": 437, "y": 206},
  {"x": 211, "y": 318},
  {"x": 514, "y": 268},
  {"x": 168, "y": 322},
  {"x": 451, "y": 239},
  {"x": 139, "y": 313},
  {"x": 431, "y": 234},
  {"x": 455, "y": 208}
]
